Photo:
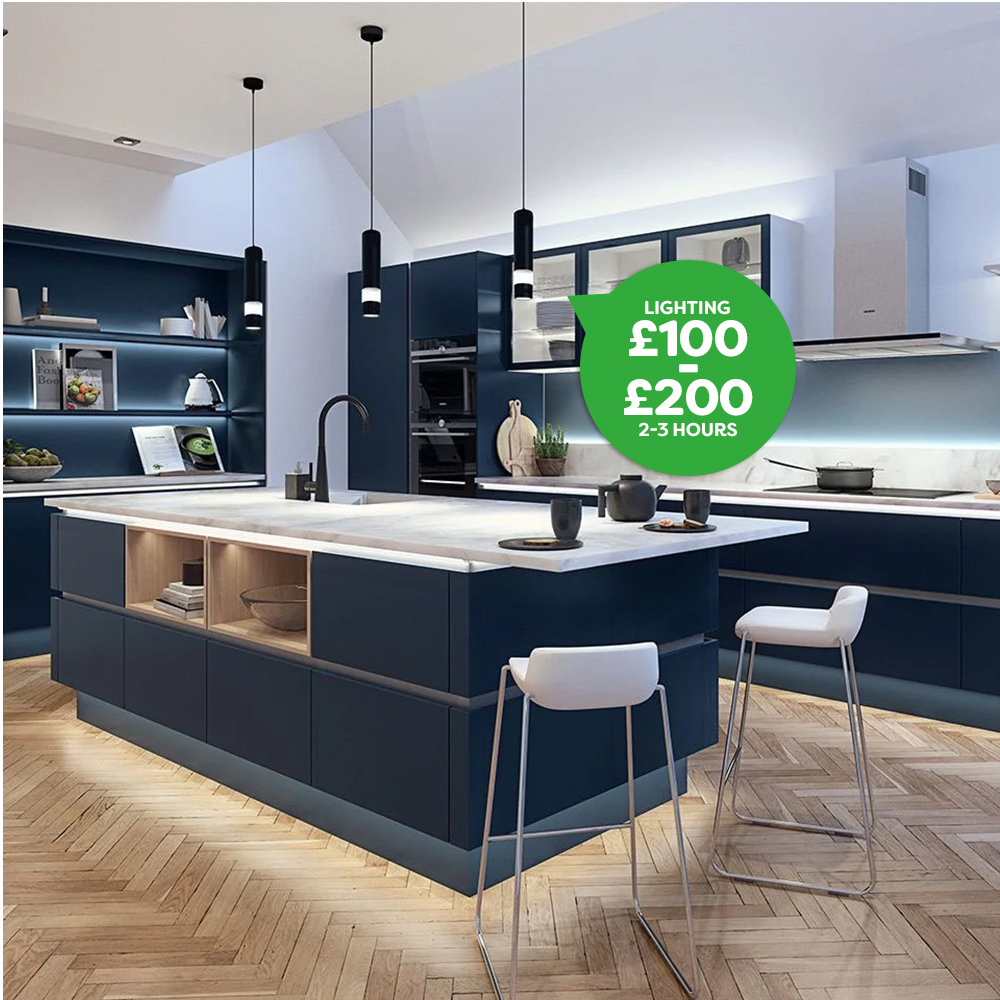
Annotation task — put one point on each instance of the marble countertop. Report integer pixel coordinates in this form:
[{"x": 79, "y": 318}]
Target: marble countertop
[
  {"x": 958, "y": 505},
  {"x": 410, "y": 529},
  {"x": 105, "y": 484}
]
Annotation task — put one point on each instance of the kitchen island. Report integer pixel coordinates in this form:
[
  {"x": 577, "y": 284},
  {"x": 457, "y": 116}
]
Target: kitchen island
[{"x": 375, "y": 721}]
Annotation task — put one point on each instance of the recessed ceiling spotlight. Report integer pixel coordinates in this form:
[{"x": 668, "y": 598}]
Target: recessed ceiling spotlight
[{"x": 126, "y": 140}]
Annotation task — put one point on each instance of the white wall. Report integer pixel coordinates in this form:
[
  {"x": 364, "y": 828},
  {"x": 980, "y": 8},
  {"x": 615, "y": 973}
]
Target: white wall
[{"x": 311, "y": 209}]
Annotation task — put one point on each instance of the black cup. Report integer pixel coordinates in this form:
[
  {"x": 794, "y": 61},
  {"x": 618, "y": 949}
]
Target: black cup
[
  {"x": 697, "y": 504},
  {"x": 567, "y": 512}
]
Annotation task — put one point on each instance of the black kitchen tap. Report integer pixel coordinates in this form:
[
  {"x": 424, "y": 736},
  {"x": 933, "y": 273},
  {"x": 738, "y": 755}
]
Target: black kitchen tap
[{"x": 321, "y": 487}]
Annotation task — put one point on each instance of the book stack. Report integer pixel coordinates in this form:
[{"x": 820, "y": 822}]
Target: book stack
[{"x": 181, "y": 601}]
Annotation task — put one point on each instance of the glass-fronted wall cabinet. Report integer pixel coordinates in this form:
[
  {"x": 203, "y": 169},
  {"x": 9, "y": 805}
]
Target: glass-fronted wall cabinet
[
  {"x": 764, "y": 248},
  {"x": 545, "y": 336},
  {"x": 544, "y": 331}
]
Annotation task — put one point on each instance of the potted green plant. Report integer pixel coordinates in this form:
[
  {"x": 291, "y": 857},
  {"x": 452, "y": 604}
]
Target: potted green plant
[{"x": 550, "y": 451}]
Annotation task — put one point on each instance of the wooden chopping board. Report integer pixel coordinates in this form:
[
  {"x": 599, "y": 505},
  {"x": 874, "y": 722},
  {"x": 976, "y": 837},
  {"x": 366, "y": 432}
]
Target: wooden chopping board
[
  {"x": 987, "y": 496},
  {"x": 515, "y": 442}
]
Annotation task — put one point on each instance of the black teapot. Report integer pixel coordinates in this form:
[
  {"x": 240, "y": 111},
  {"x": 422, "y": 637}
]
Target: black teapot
[{"x": 630, "y": 498}]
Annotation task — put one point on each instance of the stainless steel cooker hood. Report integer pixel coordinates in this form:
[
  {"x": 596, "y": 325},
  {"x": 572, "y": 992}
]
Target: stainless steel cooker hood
[{"x": 880, "y": 269}]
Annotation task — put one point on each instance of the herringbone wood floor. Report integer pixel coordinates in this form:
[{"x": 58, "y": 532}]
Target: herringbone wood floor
[{"x": 128, "y": 876}]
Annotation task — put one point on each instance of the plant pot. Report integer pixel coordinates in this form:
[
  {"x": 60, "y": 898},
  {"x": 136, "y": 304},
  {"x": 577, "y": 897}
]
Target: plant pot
[{"x": 551, "y": 466}]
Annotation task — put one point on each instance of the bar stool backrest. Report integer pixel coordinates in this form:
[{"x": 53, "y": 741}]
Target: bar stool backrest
[
  {"x": 584, "y": 677},
  {"x": 847, "y": 613}
]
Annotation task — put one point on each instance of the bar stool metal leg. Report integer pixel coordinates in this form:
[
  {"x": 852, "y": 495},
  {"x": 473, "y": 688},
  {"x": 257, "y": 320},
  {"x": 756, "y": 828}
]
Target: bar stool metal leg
[
  {"x": 690, "y": 987},
  {"x": 730, "y": 773}
]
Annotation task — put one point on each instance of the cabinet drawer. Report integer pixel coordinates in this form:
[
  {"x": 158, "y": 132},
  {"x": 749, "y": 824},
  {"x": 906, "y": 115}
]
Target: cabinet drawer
[
  {"x": 90, "y": 559},
  {"x": 88, "y": 650},
  {"x": 981, "y": 558},
  {"x": 889, "y": 550},
  {"x": 258, "y": 709},
  {"x": 904, "y": 638},
  {"x": 382, "y": 750},
  {"x": 981, "y": 650},
  {"x": 382, "y": 617},
  {"x": 165, "y": 676}
]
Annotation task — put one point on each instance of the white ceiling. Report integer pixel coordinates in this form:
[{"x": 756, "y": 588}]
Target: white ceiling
[
  {"x": 78, "y": 74},
  {"x": 696, "y": 100}
]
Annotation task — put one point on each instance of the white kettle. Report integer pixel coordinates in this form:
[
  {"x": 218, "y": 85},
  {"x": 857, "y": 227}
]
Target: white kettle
[{"x": 203, "y": 393}]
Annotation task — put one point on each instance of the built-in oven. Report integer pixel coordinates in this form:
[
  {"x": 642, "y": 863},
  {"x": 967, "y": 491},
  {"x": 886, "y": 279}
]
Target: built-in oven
[
  {"x": 443, "y": 379},
  {"x": 443, "y": 457}
]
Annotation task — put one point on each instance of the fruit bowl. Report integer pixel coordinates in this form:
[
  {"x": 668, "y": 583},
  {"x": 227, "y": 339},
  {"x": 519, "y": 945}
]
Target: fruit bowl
[
  {"x": 282, "y": 607},
  {"x": 30, "y": 473}
]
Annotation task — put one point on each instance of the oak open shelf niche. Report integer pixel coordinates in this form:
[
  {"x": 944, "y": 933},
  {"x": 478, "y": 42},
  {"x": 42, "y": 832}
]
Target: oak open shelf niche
[
  {"x": 233, "y": 567},
  {"x": 154, "y": 559}
]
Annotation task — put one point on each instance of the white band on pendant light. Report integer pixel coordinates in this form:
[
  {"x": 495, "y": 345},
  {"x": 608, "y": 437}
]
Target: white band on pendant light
[
  {"x": 253, "y": 308},
  {"x": 371, "y": 294},
  {"x": 522, "y": 277}
]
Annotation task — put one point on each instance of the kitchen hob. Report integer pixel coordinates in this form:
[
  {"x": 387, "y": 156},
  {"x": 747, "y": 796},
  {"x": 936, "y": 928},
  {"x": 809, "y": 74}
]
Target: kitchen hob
[{"x": 874, "y": 492}]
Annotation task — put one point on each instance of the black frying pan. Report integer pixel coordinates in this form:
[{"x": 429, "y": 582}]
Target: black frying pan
[{"x": 843, "y": 476}]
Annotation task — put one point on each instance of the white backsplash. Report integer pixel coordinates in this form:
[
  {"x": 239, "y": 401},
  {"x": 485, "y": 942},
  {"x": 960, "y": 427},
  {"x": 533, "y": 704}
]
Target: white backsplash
[{"x": 899, "y": 466}]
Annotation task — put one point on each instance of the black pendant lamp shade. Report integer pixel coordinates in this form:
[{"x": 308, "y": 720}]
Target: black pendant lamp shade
[
  {"x": 253, "y": 256},
  {"x": 523, "y": 278},
  {"x": 371, "y": 238}
]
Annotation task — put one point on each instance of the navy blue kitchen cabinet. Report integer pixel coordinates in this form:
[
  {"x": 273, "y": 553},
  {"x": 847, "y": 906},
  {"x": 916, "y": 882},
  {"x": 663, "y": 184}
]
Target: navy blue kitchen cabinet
[
  {"x": 165, "y": 676},
  {"x": 981, "y": 557},
  {"x": 90, "y": 559},
  {"x": 383, "y": 617},
  {"x": 259, "y": 709},
  {"x": 88, "y": 650},
  {"x": 890, "y": 550},
  {"x": 378, "y": 359},
  {"x": 457, "y": 296},
  {"x": 981, "y": 649},
  {"x": 27, "y": 572},
  {"x": 383, "y": 750}
]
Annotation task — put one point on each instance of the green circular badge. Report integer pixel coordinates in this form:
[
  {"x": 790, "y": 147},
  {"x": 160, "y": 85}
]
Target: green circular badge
[{"x": 687, "y": 367}]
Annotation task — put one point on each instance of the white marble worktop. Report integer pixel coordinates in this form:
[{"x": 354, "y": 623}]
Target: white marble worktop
[
  {"x": 58, "y": 486},
  {"x": 956, "y": 505},
  {"x": 410, "y": 529}
]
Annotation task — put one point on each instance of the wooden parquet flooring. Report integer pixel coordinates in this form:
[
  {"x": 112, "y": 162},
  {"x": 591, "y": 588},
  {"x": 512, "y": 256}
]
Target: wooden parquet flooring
[{"x": 128, "y": 876}]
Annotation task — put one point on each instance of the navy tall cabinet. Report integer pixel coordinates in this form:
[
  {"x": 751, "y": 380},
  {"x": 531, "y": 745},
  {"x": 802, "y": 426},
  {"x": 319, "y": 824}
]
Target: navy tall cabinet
[{"x": 461, "y": 297}]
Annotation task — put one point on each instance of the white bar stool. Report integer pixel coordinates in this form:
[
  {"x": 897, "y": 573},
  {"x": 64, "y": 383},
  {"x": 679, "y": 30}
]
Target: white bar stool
[
  {"x": 577, "y": 679},
  {"x": 837, "y": 626}
]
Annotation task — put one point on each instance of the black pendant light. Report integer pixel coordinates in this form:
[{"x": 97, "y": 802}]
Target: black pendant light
[
  {"x": 523, "y": 277},
  {"x": 371, "y": 238},
  {"x": 253, "y": 256}
]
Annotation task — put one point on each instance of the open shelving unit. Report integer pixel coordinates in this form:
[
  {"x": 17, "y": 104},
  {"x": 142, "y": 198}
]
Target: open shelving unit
[
  {"x": 127, "y": 288},
  {"x": 154, "y": 559},
  {"x": 233, "y": 567}
]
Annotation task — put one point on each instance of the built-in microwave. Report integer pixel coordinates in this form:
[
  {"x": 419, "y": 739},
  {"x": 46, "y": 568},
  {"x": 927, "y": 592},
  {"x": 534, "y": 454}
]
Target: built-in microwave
[{"x": 443, "y": 379}]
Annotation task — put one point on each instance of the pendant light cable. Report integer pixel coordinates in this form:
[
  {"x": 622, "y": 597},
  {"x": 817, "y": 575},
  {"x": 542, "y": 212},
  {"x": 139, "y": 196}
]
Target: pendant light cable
[
  {"x": 371, "y": 135},
  {"x": 253, "y": 167},
  {"x": 524, "y": 169}
]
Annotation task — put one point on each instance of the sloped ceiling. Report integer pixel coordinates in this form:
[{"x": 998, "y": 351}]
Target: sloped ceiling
[
  {"x": 78, "y": 74},
  {"x": 695, "y": 100}
]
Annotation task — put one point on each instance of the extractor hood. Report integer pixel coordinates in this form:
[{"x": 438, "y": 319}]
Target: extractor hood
[{"x": 880, "y": 269}]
